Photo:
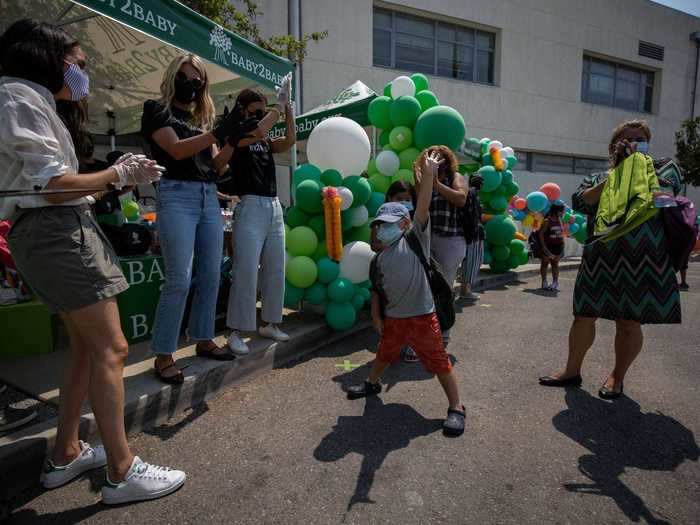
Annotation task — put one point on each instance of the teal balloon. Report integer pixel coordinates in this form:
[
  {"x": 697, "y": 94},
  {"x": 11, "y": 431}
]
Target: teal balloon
[
  {"x": 340, "y": 316},
  {"x": 318, "y": 224},
  {"x": 384, "y": 137},
  {"x": 296, "y": 217},
  {"x": 512, "y": 188},
  {"x": 308, "y": 196},
  {"x": 407, "y": 157},
  {"x": 579, "y": 219},
  {"x": 400, "y": 138},
  {"x": 360, "y": 188},
  {"x": 292, "y": 295},
  {"x": 582, "y": 234},
  {"x": 487, "y": 256},
  {"x": 405, "y": 111},
  {"x": 500, "y": 191},
  {"x": 492, "y": 178},
  {"x": 512, "y": 161},
  {"x": 332, "y": 178},
  {"x": 440, "y": 125},
  {"x": 498, "y": 266},
  {"x": 485, "y": 196},
  {"x": 379, "y": 112},
  {"x": 507, "y": 177},
  {"x": 301, "y": 272},
  {"x": 500, "y": 230},
  {"x": 358, "y": 302},
  {"x": 365, "y": 284},
  {"x": 537, "y": 201},
  {"x": 485, "y": 146},
  {"x": 360, "y": 233},
  {"x": 364, "y": 292},
  {"x": 421, "y": 81},
  {"x": 316, "y": 293},
  {"x": 374, "y": 202},
  {"x": 500, "y": 253},
  {"x": 321, "y": 251},
  {"x": 517, "y": 246},
  {"x": 328, "y": 270},
  {"x": 427, "y": 100},
  {"x": 574, "y": 228},
  {"x": 302, "y": 241},
  {"x": 486, "y": 160},
  {"x": 499, "y": 204},
  {"x": 341, "y": 290},
  {"x": 306, "y": 172},
  {"x": 346, "y": 217}
]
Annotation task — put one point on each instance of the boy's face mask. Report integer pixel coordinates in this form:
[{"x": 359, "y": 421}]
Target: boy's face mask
[{"x": 389, "y": 233}]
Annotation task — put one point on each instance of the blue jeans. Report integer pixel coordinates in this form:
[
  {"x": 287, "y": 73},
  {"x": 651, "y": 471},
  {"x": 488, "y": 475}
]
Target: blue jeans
[{"x": 191, "y": 232}]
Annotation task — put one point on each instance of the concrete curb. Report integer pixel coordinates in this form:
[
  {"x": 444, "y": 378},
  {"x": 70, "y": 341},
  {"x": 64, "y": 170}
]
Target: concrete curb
[{"x": 22, "y": 453}]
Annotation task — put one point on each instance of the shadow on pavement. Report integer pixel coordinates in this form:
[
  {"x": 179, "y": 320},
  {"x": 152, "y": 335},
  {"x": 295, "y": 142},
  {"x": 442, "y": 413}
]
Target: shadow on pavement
[
  {"x": 541, "y": 292},
  {"x": 366, "y": 435},
  {"x": 620, "y": 436},
  {"x": 169, "y": 430}
]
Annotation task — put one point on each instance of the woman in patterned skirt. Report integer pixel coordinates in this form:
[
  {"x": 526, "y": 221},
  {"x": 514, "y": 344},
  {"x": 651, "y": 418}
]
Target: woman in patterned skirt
[{"x": 629, "y": 280}]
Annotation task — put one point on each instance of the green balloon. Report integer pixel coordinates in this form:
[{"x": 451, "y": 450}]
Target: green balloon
[
  {"x": 512, "y": 188},
  {"x": 427, "y": 100},
  {"x": 440, "y": 125},
  {"x": 364, "y": 292},
  {"x": 340, "y": 316},
  {"x": 361, "y": 233},
  {"x": 500, "y": 230},
  {"x": 500, "y": 253},
  {"x": 365, "y": 284},
  {"x": 512, "y": 161},
  {"x": 321, "y": 251},
  {"x": 316, "y": 293},
  {"x": 387, "y": 90},
  {"x": 332, "y": 178},
  {"x": 407, "y": 157},
  {"x": 513, "y": 261},
  {"x": 484, "y": 145},
  {"x": 491, "y": 177},
  {"x": 292, "y": 295},
  {"x": 360, "y": 188},
  {"x": 400, "y": 138},
  {"x": 582, "y": 234},
  {"x": 328, "y": 270},
  {"x": 500, "y": 191},
  {"x": 358, "y": 302},
  {"x": 404, "y": 175},
  {"x": 287, "y": 229},
  {"x": 308, "y": 196},
  {"x": 318, "y": 224},
  {"x": 507, "y": 176},
  {"x": 566, "y": 217},
  {"x": 524, "y": 257},
  {"x": 341, "y": 290},
  {"x": 421, "y": 81},
  {"x": 379, "y": 112},
  {"x": 579, "y": 219},
  {"x": 384, "y": 138},
  {"x": 499, "y": 204},
  {"x": 485, "y": 196},
  {"x": 372, "y": 167},
  {"x": 302, "y": 241},
  {"x": 131, "y": 210},
  {"x": 517, "y": 246},
  {"x": 296, "y": 217},
  {"x": 488, "y": 258},
  {"x": 380, "y": 183},
  {"x": 498, "y": 266},
  {"x": 374, "y": 202},
  {"x": 301, "y": 271},
  {"x": 306, "y": 172},
  {"x": 486, "y": 160},
  {"x": 404, "y": 111}
]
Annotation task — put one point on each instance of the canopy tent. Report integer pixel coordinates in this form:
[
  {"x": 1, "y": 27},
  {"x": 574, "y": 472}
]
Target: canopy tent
[{"x": 130, "y": 44}]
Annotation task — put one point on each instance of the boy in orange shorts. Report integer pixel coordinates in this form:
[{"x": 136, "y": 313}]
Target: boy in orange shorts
[{"x": 401, "y": 289}]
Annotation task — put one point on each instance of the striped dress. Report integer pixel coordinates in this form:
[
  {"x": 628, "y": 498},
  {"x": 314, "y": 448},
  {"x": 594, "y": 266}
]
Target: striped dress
[{"x": 629, "y": 278}]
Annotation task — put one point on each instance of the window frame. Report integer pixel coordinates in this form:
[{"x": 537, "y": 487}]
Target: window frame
[
  {"x": 647, "y": 80},
  {"x": 437, "y": 40}
]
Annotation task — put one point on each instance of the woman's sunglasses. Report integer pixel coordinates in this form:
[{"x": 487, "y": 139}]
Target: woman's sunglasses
[{"x": 195, "y": 83}]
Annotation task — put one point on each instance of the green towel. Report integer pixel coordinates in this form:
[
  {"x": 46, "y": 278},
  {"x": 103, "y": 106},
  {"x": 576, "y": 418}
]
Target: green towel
[{"x": 627, "y": 199}]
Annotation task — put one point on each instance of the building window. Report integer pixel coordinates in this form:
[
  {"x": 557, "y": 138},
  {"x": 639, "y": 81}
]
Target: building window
[
  {"x": 565, "y": 164},
  {"x": 588, "y": 166},
  {"x": 422, "y": 45},
  {"x": 612, "y": 84}
]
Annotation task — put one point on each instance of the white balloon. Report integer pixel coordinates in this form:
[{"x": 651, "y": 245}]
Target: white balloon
[
  {"x": 354, "y": 265},
  {"x": 359, "y": 216},
  {"x": 401, "y": 86},
  {"x": 495, "y": 144},
  {"x": 341, "y": 144},
  {"x": 345, "y": 196},
  {"x": 504, "y": 153},
  {"x": 388, "y": 163},
  {"x": 510, "y": 151}
]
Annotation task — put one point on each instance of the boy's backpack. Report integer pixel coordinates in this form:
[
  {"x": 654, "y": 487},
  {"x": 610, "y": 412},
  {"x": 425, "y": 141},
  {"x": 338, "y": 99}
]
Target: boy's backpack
[
  {"x": 443, "y": 295},
  {"x": 681, "y": 229}
]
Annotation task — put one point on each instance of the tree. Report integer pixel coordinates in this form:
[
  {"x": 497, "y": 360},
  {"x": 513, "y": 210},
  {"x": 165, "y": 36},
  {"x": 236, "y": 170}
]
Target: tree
[
  {"x": 242, "y": 22},
  {"x": 688, "y": 150}
]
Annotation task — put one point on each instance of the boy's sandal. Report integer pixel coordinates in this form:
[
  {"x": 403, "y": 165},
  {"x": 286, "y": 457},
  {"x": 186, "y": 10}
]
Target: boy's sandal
[
  {"x": 454, "y": 424},
  {"x": 176, "y": 379},
  {"x": 363, "y": 390}
]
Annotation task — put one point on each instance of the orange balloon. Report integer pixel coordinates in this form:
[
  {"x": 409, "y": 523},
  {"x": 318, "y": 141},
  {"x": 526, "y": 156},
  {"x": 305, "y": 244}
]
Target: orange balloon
[
  {"x": 520, "y": 203},
  {"x": 520, "y": 236},
  {"x": 551, "y": 190}
]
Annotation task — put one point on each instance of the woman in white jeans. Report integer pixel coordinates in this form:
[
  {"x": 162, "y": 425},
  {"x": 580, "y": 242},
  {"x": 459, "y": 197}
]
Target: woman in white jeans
[
  {"x": 447, "y": 243},
  {"x": 258, "y": 222}
]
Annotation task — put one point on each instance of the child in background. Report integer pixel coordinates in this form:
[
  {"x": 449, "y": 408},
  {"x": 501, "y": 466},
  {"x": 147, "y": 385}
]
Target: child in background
[
  {"x": 551, "y": 242},
  {"x": 400, "y": 285}
]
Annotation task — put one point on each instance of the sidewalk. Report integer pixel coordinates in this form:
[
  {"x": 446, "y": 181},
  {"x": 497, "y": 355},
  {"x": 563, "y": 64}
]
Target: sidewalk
[{"x": 149, "y": 402}]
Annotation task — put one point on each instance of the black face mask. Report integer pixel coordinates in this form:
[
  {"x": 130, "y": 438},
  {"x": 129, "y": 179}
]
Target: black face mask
[
  {"x": 186, "y": 90},
  {"x": 258, "y": 114}
]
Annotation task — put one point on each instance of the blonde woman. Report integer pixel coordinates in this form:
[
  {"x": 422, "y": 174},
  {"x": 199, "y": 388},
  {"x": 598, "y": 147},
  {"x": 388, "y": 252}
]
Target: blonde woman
[{"x": 179, "y": 127}]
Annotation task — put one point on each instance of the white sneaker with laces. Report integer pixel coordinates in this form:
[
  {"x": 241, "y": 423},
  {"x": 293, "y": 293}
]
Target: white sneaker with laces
[
  {"x": 143, "y": 481},
  {"x": 89, "y": 458},
  {"x": 237, "y": 345},
  {"x": 272, "y": 331}
]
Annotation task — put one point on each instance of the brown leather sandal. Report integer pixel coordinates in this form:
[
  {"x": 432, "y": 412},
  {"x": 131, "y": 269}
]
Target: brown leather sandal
[{"x": 176, "y": 379}]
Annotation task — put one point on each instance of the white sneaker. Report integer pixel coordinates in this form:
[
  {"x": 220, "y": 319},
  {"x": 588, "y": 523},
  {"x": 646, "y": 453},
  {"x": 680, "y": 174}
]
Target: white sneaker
[
  {"x": 237, "y": 345},
  {"x": 272, "y": 331},
  {"x": 545, "y": 285},
  {"x": 143, "y": 481},
  {"x": 555, "y": 286},
  {"x": 89, "y": 458}
]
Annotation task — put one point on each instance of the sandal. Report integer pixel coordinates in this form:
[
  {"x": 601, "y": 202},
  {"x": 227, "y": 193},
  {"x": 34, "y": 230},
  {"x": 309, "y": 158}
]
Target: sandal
[
  {"x": 454, "y": 424},
  {"x": 176, "y": 379},
  {"x": 216, "y": 352}
]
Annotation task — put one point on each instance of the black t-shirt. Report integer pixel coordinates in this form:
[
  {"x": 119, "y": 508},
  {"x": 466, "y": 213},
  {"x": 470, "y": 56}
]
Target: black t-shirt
[
  {"x": 196, "y": 168},
  {"x": 252, "y": 171}
]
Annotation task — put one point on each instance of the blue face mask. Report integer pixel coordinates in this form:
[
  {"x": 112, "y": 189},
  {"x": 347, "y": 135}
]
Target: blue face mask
[
  {"x": 77, "y": 81},
  {"x": 643, "y": 147},
  {"x": 389, "y": 233},
  {"x": 407, "y": 204}
]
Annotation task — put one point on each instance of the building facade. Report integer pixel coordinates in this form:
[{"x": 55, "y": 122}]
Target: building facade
[{"x": 551, "y": 78}]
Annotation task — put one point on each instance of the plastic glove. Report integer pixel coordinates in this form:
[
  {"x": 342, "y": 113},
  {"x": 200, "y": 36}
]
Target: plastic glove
[
  {"x": 137, "y": 169},
  {"x": 284, "y": 91}
]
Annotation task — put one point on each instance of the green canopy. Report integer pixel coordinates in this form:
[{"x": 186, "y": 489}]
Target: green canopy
[
  {"x": 130, "y": 44},
  {"x": 352, "y": 103}
]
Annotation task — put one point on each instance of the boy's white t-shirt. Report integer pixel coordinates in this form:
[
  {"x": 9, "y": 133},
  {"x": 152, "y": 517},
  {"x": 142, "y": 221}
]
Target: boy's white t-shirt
[{"x": 401, "y": 277}]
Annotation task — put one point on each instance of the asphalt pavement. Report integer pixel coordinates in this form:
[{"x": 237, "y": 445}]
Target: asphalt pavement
[{"x": 289, "y": 448}]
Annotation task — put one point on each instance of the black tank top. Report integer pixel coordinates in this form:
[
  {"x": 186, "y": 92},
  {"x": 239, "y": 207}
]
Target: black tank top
[{"x": 252, "y": 171}]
